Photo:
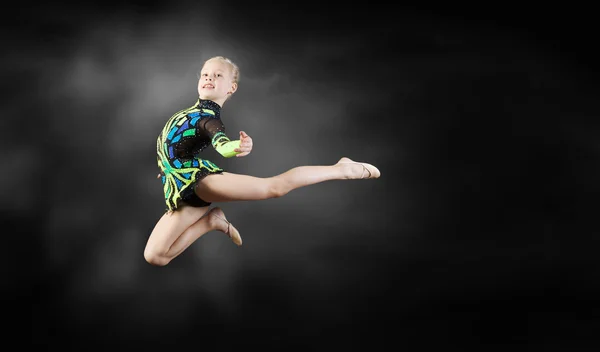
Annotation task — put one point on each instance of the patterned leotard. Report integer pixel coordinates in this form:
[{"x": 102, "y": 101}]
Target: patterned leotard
[{"x": 184, "y": 136}]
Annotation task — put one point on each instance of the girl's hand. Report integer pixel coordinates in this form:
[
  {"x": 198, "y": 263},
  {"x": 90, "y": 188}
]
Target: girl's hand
[{"x": 245, "y": 145}]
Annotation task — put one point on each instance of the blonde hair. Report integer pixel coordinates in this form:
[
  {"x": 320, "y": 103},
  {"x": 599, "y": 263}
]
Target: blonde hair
[{"x": 235, "y": 70}]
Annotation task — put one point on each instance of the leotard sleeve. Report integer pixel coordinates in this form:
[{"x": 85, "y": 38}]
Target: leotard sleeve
[{"x": 216, "y": 131}]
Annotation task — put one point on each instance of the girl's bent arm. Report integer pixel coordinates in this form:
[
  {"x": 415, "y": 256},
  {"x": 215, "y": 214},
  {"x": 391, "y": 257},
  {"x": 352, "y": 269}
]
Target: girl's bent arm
[{"x": 220, "y": 141}]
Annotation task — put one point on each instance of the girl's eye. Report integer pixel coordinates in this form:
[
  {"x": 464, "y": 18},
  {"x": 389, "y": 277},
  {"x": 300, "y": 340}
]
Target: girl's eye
[{"x": 219, "y": 75}]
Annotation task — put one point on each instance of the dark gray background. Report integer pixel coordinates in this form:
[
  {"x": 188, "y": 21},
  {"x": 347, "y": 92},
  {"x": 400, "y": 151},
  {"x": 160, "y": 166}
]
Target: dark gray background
[{"x": 480, "y": 232}]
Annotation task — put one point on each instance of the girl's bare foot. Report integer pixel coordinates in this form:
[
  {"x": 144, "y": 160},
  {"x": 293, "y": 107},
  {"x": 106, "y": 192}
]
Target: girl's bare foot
[
  {"x": 220, "y": 223},
  {"x": 358, "y": 170}
]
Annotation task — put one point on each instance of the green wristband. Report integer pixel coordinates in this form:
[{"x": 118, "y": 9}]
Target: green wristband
[{"x": 227, "y": 149}]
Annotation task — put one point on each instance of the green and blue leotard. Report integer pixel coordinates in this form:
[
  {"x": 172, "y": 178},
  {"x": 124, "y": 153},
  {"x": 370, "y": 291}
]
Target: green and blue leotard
[{"x": 184, "y": 136}]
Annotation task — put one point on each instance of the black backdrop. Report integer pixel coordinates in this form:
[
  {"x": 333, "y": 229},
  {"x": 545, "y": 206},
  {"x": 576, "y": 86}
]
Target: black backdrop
[{"x": 480, "y": 232}]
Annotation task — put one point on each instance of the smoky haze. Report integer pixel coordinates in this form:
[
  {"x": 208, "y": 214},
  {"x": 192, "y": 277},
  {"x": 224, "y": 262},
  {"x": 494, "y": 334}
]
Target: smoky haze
[{"x": 478, "y": 233}]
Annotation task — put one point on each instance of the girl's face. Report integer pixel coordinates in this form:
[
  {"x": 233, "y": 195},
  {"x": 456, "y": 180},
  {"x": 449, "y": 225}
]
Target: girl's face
[{"x": 215, "y": 81}]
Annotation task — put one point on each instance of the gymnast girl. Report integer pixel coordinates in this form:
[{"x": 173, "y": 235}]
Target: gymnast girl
[{"x": 191, "y": 184}]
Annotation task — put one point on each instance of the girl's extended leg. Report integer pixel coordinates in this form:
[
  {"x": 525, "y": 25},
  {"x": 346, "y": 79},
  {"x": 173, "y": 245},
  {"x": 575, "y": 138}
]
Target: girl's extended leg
[
  {"x": 177, "y": 230},
  {"x": 234, "y": 187}
]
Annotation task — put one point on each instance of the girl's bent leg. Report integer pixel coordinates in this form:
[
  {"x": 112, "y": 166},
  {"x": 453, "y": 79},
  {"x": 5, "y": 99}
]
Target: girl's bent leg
[
  {"x": 167, "y": 230},
  {"x": 176, "y": 231}
]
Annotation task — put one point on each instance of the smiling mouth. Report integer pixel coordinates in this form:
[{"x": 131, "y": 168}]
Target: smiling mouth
[{"x": 208, "y": 86}]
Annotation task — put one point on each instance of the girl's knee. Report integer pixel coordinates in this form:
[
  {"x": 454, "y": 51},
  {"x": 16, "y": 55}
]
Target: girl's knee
[
  {"x": 154, "y": 258},
  {"x": 276, "y": 188}
]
